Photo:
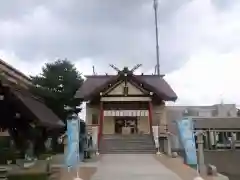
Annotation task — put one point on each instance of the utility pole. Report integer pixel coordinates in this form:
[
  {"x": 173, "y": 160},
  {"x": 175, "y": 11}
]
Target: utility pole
[{"x": 155, "y": 6}]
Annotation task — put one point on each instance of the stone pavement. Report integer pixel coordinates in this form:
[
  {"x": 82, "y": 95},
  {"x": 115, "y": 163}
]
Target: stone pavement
[
  {"x": 86, "y": 169},
  {"x": 132, "y": 167}
]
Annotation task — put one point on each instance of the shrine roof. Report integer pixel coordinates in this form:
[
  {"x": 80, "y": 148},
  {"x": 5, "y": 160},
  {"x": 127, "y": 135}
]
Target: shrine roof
[
  {"x": 34, "y": 105},
  {"x": 95, "y": 83}
]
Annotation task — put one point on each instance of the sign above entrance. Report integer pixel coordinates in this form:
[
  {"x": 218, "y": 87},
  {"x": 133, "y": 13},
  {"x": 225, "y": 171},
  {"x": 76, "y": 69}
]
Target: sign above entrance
[{"x": 126, "y": 113}]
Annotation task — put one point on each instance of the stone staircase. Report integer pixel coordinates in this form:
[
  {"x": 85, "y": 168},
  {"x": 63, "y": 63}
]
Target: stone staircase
[
  {"x": 127, "y": 144},
  {"x": 3, "y": 173}
]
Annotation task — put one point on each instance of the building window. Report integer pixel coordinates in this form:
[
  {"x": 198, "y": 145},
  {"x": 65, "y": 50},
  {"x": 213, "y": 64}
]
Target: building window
[{"x": 94, "y": 119}]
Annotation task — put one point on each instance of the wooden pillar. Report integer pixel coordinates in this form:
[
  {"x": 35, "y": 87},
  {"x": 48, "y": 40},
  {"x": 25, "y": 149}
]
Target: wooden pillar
[
  {"x": 101, "y": 116},
  {"x": 150, "y": 115}
]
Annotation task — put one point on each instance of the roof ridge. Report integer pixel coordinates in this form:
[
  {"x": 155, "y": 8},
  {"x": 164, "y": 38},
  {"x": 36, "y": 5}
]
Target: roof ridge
[
  {"x": 14, "y": 69},
  {"x": 111, "y": 75},
  {"x": 155, "y": 83},
  {"x": 22, "y": 90}
]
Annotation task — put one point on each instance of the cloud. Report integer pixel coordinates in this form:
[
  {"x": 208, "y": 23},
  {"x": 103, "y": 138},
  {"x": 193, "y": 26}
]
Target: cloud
[
  {"x": 27, "y": 68},
  {"x": 208, "y": 78},
  {"x": 196, "y": 38},
  {"x": 110, "y": 31},
  {"x": 211, "y": 74},
  {"x": 120, "y": 32}
]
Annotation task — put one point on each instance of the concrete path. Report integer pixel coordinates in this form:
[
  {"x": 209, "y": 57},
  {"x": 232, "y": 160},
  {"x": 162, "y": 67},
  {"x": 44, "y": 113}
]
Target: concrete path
[{"x": 132, "y": 167}]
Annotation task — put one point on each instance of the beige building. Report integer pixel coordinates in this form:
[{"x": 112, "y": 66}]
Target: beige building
[{"x": 126, "y": 103}]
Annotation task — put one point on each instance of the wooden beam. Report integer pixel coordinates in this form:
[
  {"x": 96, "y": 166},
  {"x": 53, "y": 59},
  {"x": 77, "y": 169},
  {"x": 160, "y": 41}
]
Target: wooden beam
[{"x": 109, "y": 99}]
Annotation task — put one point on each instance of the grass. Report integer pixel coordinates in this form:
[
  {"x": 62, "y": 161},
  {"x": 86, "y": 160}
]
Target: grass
[{"x": 28, "y": 177}]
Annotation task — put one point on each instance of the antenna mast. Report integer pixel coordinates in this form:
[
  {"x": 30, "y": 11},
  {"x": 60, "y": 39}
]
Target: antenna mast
[{"x": 155, "y": 7}]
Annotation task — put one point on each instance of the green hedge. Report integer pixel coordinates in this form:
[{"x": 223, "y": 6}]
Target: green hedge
[
  {"x": 9, "y": 154},
  {"x": 5, "y": 141},
  {"x": 28, "y": 177}
]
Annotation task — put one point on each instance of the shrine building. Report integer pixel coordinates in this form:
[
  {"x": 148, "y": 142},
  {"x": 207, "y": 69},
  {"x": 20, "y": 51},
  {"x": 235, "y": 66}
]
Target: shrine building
[{"x": 125, "y": 103}]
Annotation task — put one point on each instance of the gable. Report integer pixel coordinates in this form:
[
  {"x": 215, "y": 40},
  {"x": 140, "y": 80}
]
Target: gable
[{"x": 118, "y": 90}]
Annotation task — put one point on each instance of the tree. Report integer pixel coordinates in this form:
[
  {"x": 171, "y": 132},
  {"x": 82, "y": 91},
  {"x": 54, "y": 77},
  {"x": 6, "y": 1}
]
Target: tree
[{"x": 57, "y": 85}]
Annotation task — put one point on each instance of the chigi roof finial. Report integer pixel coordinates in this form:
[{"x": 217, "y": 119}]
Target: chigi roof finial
[
  {"x": 114, "y": 67},
  {"x": 126, "y": 69}
]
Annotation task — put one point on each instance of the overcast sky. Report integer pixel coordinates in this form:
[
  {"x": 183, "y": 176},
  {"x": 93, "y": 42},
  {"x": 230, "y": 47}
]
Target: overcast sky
[{"x": 199, "y": 40}]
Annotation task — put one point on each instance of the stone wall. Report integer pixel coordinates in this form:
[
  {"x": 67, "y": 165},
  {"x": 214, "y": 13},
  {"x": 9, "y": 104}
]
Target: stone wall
[{"x": 226, "y": 161}]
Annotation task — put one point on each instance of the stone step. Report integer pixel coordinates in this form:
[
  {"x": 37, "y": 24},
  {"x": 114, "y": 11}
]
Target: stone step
[
  {"x": 127, "y": 147},
  {"x": 118, "y": 148},
  {"x": 127, "y": 152},
  {"x": 128, "y": 143},
  {"x": 128, "y": 140},
  {"x": 137, "y": 136},
  {"x": 122, "y": 149},
  {"x": 123, "y": 144},
  {"x": 130, "y": 146},
  {"x": 3, "y": 173}
]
